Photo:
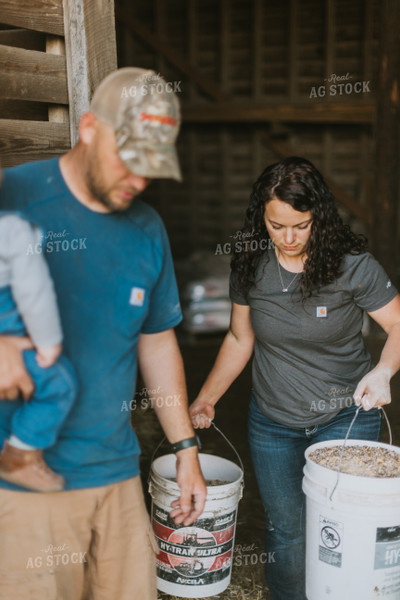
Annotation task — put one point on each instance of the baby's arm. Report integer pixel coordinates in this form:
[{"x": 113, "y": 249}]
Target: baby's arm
[{"x": 32, "y": 286}]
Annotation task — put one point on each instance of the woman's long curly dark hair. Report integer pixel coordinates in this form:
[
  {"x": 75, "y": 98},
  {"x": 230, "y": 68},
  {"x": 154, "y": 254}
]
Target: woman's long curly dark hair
[{"x": 296, "y": 181}]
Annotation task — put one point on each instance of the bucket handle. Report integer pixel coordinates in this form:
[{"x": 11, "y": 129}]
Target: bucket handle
[
  {"x": 233, "y": 448},
  {"x": 199, "y": 444},
  {"x": 347, "y": 437}
]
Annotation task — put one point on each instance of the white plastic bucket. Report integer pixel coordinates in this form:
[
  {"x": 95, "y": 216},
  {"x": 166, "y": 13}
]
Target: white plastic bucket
[
  {"x": 353, "y": 538},
  {"x": 195, "y": 561}
]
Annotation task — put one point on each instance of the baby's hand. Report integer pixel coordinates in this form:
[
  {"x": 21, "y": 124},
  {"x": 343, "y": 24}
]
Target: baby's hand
[{"x": 47, "y": 355}]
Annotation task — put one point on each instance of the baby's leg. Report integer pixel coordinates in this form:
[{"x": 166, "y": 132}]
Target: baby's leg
[
  {"x": 35, "y": 425},
  {"x": 38, "y": 421}
]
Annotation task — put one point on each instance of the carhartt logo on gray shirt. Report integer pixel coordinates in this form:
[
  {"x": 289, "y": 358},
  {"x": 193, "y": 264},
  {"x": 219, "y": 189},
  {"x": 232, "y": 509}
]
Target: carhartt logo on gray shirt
[{"x": 322, "y": 311}]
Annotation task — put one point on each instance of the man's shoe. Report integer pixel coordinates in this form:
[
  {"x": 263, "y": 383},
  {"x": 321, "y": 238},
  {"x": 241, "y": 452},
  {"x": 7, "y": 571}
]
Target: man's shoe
[{"x": 28, "y": 469}]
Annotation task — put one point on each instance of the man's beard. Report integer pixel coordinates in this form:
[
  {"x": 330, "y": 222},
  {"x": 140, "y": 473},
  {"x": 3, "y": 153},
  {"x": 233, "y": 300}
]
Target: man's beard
[{"x": 102, "y": 195}]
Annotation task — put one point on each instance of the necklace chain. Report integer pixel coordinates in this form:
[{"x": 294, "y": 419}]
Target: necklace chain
[{"x": 284, "y": 289}]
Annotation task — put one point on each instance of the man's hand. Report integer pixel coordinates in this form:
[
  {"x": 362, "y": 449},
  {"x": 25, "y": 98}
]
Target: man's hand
[
  {"x": 374, "y": 389},
  {"x": 14, "y": 378},
  {"x": 189, "y": 506}
]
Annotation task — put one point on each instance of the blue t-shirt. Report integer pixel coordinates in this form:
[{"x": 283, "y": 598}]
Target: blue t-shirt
[{"x": 114, "y": 279}]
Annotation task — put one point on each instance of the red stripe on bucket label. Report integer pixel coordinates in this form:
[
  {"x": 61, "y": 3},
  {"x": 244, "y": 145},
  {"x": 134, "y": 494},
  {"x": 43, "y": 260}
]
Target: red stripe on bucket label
[
  {"x": 220, "y": 523},
  {"x": 163, "y": 532}
]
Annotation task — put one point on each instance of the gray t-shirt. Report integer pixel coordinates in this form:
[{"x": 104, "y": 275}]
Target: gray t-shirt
[{"x": 309, "y": 357}]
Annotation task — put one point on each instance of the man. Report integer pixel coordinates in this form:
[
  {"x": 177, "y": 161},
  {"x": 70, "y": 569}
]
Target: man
[{"x": 110, "y": 261}]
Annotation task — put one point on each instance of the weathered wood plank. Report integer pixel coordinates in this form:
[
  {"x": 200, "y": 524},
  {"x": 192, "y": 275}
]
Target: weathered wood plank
[
  {"x": 23, "y": 141},
  {"x": 91, "y": 52},
  {"x": 40, "y": 15},
  {"x": 32, "y": 75},
  {"x": 318, "y": 113},
  {"x": 57, "y": 113}
]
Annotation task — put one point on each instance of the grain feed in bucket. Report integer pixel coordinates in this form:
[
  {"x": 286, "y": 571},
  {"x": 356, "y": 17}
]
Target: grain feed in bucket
[{"x": 353, "y": 525}]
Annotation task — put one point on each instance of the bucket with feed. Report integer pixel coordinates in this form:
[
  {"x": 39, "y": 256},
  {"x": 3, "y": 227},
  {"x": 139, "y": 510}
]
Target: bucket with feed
[
  {"x": 195, "y": 561},
  {"x": 353, "y": 520}
]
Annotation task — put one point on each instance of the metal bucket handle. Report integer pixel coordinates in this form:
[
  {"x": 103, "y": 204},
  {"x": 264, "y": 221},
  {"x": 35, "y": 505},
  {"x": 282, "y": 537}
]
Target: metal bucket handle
[
  {"x": 347, "y": 437},
  {"x": 199, "y": 443}
]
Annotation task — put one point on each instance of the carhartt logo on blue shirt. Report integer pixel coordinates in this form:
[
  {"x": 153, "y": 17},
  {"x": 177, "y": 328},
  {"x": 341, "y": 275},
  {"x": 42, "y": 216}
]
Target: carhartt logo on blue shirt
[
  {"x": 137, "y": 296},
  {"x": 322, "y": 311}
]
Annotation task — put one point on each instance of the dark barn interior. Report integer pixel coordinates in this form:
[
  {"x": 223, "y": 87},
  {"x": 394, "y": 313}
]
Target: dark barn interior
[{"x": 258, "y": 80}]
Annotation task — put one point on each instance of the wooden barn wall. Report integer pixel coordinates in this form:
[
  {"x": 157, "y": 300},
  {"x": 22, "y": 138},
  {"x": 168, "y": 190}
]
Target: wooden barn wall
[
  {"x": 53, "y": 53},
  {"x": 34, "y": 121},
  {"x": 248, "y": 74}
]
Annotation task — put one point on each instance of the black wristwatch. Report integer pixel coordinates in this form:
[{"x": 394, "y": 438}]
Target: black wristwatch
[{"x": 187, "y": 443}]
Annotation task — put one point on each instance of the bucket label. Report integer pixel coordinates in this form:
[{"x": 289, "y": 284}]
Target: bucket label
[
  {"x": 387, "y": 547},
  {"x": 200, "y": 554},
  {"x": 330, "y": 541}
]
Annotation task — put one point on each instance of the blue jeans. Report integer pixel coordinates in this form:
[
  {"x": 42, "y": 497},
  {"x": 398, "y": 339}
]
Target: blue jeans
[
  {"x": 38, "y": 421},
  {"x": 277, "y": 453}
]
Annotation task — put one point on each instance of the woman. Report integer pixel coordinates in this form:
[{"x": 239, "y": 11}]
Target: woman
[{"x": 299, "y": 305}]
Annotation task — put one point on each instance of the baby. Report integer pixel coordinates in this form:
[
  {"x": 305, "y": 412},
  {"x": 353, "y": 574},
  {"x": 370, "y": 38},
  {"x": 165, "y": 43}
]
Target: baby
[{"x": 28, "y": 306}]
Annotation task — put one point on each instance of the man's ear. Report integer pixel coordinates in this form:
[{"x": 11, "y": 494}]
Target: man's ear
[{"x": 87, "y": 127}]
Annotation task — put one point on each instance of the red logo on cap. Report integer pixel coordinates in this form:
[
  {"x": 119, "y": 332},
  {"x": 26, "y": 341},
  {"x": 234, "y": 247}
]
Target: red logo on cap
[{"x": 159, "y": 118}]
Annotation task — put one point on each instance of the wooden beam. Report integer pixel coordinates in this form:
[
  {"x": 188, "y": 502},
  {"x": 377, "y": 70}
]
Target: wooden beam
[
  {"x": 90, "y": 50},
  {"x": 387, "y": 163},
  {"x": 191, "y": 7},
  {"x": 32, "y": 75},
  {"x": 330, "y": 27},
  {"x": 368, "y": 41},
  {"x": 224, "y": 41},
  {"x": 293, "y": 50},
  {"x": 40, "y": 15},
  {"x": 317, "y": 113},
  {"x": 57, "y": 113},
  {"x": 257, "y": 49},
  {"x": 176, "y": 59},
  {"x": 160, "y": 25},
  {"x": 23, "y": 141}
]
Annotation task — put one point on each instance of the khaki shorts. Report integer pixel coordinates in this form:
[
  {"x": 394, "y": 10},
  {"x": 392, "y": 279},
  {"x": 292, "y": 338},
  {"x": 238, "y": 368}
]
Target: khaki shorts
[{"x": 91, "y": 544}]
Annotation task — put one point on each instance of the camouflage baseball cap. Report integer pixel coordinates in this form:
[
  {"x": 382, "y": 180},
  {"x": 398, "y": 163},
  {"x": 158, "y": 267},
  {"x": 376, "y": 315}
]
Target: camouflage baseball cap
[{"x": 144, "y": 112}]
